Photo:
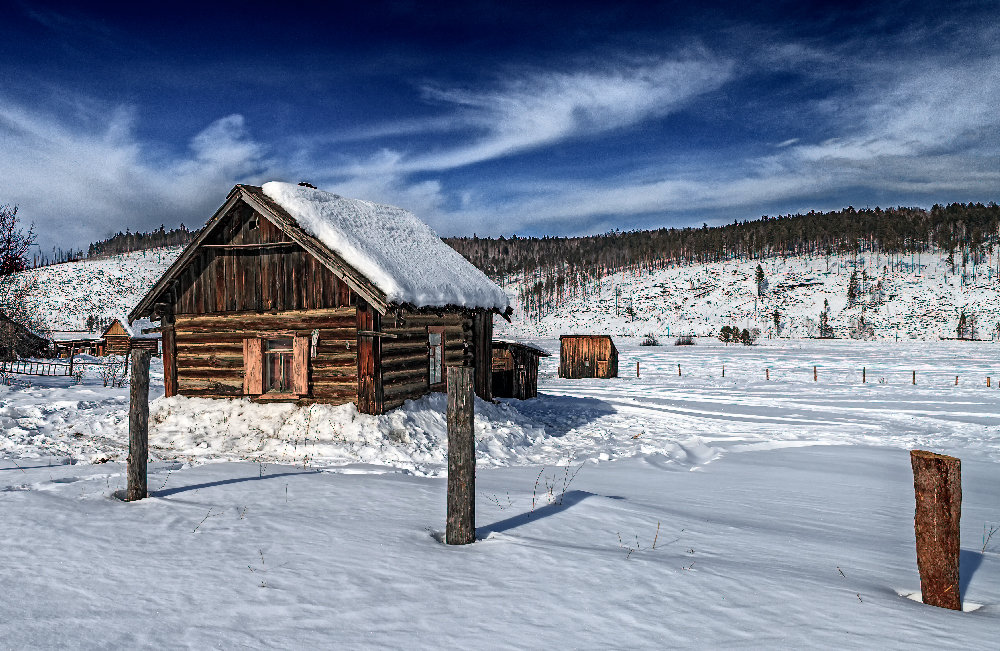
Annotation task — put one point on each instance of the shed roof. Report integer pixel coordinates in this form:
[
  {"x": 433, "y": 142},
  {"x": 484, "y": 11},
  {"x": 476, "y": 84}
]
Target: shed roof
[{"x": 502, "y": 343}]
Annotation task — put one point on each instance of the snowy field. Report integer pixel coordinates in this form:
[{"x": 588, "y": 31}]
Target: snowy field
[{"x": 781, "y": 510}]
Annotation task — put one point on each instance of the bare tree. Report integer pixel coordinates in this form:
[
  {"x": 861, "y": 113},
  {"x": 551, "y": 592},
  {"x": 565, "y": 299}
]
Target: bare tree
[{"x": 18, "y": 313}]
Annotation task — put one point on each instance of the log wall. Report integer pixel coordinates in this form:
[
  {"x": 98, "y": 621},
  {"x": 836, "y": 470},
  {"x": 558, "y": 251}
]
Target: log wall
[
  {"x": 405, "y": 371},
  {"x": 209, "y": 357}
]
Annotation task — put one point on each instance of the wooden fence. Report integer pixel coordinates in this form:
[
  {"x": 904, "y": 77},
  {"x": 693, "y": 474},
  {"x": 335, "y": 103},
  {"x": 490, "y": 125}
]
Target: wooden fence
[{"x": 28, "y": 367}]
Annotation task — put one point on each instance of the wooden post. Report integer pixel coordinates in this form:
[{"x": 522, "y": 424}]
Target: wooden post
[
  {"x": 987, "y": 381},
  {"x": 637, "y": 368},
  {"x": 678, "y": 370},
  {"x": 937, "y": 483},
  {"x": 914, "y": 377},
  {"x": 863, "y": 374},
  {"x": 461, "y": 525},
  {"x": 956, "y": 380},
  {"x": 767, "y": 374},
  {"x": 815, "y": 377},
  {"x": 723, "y": 370},
  {"x": 138, "y": 426}
]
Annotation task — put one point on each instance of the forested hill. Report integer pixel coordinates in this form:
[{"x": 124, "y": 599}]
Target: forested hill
[
  {"x": 968, "y": 228},
  {"x": 127, "y": 242}
]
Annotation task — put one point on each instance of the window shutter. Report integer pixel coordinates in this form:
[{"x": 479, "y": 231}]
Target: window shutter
[
  {"x": 253, "y": 367},
  {"x": 300, "y": 365}
]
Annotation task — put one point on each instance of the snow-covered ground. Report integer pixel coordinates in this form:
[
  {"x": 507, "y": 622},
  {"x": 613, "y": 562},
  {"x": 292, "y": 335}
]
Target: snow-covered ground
[
  {"x": 907, "y": 297},
  {"x": 781, "y": 510}
]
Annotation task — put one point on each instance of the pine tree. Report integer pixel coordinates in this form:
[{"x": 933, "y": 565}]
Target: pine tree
[
  {"x": 852, "y": 289},
  {"x": 759, "y": 275}
]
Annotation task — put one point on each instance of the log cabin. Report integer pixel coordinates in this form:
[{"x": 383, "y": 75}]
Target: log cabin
[
  {"x": 290, "y": 293},
  {"x": 17, "y": 341},
  {"x": 120, "y": 337},
  {"x": 587, "y": 356},
  {"x": 515, "y": 369}
]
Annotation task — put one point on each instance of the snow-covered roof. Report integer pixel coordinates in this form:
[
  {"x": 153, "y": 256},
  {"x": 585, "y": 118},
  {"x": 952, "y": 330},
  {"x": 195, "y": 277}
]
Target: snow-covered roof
[
  {"x": 391, "y": 247},
  {"x": 135, "y": 329}
]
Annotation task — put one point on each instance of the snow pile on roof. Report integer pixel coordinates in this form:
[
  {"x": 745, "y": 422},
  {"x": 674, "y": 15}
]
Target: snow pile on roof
[{"x": 397, "y": 252}]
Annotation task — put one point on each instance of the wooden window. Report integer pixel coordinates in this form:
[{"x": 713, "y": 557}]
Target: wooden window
[
  {"x": 276, "y": 366},
  {"x": 435, "y": 355},
  {"x": 278, "y": 356}
]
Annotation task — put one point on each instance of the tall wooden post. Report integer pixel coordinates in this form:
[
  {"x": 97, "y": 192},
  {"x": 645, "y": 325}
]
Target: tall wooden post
[
  {"x": 937, "y": 483},
  {"x": 914, "y": 377},
  {"x": 863, "y": 374},
  {"x": 138, "y": 426},
  {"x": 815, "y": 377},
  {"x": 461, "y": 525},
  {"x": 678, "y": 370},
  {"x": 637, "y": 369}
]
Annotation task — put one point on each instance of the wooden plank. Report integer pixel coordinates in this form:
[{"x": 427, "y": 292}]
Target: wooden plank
[
  {"x": 211, "y": 373},
  {"x": 937, "y": 483},
  {"x": 413, "y": 388},
  {"x": 404, "y": 376}
]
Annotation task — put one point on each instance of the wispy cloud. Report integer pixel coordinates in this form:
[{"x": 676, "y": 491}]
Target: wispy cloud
[
  {"x": 81, "y": 176},
  {"x": 540, "y": 109}
]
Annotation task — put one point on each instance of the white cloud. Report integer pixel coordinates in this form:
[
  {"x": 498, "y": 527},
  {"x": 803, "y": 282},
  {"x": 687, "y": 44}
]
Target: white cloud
[{"x": 83, "y": 176}]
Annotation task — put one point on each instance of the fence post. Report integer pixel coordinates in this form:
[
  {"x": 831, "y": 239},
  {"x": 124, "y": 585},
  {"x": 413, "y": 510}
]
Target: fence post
[
  {"x": 637, "y": 368},
  {"x": 863, "y": 374},
  {"x": 138, "y": 426},
  {"x": 937, "y": 484},
  {"x": 678, "y": 370},
  {"x": 956, "y": 380},
  {"x": 461, "y": 525},
  {"x": 815, "y": 377},
  {"x": 723, "y": 370},
  {"x": 767, "y": 374},
  {"x": 987, "y": 381},
  {"x": 914, "y": 377}
]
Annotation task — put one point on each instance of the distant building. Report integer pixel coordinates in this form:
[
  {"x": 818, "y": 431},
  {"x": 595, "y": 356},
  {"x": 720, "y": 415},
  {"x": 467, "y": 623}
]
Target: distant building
[
  {"x": 587, "y": 356},
  {"x": 515, "y": 369},
  {"x": 18, "y": 341}
]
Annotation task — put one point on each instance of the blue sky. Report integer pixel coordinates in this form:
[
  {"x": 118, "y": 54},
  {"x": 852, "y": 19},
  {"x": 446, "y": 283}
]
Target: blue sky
[{"x": 496, "y": 118}]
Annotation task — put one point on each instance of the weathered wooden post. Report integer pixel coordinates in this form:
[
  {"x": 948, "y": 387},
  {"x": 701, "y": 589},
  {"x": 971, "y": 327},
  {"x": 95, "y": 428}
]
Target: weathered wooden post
[
  {"x": 937, "y": 483},
  {"x": 637, "y": 368},
  {"x": 138, "y": 426},
  {"x": 956, "y": 380},
  {"x": 987, "y": 381},
  {"x": 863, "y": 374},
  {"x": 461, "y": 526},
  {"x": 723, "y": 370},
  {"x": 678, "y": 370},
  {"x": 767, "y": 374},
  {"x": 914, "y": 377},
  {"x": 815, "y": 377}
]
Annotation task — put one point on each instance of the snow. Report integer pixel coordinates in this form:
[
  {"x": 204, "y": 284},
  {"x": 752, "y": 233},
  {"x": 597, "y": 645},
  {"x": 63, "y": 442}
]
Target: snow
[
  {"x": 397, "y": 252},
  {"x": 781, "y": 510}
]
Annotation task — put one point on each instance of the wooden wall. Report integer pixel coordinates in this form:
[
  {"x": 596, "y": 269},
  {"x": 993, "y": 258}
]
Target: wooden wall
[
  {"x": 404, "y": 354},
  {"x": 245, "y": 268},
  {"x": 515, "y": 371},
  {"x": 587, "y": 356},
  {"x": 209, "y": 357}
]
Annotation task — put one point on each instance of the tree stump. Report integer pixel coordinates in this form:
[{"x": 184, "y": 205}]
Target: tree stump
[
  {"x": 138, "y": 427},
  {"x": 937, "y": 483},
  {"x": 461, "y": 525}
]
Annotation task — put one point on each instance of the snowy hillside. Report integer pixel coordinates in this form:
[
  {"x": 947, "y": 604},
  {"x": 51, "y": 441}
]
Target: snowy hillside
[
  {"x": 104, "y": 287},
  {"x": 918, "y": 297}
]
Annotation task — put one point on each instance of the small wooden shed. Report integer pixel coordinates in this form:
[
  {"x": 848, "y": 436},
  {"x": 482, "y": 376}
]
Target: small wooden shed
[
  {"x": 585, "y": 356},
  {"x": 515, "y": 369},
  {"x": 120, "y": 337},
  {"x": 290, "y": 293}
]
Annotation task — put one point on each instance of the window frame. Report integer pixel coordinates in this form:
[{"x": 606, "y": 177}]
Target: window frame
[{"x": 438, "y": 330}]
